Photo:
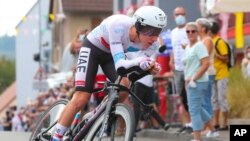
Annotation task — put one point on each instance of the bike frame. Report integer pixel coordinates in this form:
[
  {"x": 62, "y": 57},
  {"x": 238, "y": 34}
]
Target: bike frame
[{"x": 107, "y": 106}]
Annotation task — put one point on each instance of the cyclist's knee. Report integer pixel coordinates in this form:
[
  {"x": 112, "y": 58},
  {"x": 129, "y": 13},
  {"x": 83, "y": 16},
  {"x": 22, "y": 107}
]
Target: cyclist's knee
[
  {"x": 125, "y": 81},
  {"x": 80, "y": 99}
]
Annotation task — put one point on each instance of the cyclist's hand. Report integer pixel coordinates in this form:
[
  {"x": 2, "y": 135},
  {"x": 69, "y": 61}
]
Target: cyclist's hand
[{"x": 146, "y": 64}]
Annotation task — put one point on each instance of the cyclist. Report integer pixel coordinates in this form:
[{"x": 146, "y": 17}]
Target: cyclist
[{"x": 105, "y": 46}]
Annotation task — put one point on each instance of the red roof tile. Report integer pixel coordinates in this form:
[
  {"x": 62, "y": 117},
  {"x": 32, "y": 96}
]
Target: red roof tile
[
  {"x": 8, "y": 96},
  {"x": 88, "y": 5}
]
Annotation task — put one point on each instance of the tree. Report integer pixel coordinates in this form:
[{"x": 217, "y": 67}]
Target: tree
[{"x": 7, "y": 73}]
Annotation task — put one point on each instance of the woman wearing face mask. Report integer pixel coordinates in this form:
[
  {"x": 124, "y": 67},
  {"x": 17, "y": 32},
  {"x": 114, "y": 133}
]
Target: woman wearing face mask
[{"x": 245, "y": 65}]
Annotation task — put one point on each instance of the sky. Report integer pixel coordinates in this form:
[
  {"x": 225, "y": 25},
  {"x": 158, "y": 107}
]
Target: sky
[{"x": 11, "y": 12}]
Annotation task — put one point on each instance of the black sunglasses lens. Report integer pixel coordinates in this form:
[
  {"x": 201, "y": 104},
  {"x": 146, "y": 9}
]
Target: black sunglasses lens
[{"x": 191, "y": 31}]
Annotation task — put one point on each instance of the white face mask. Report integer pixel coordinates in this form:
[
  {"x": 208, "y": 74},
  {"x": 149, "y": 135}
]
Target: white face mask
[{"x": 180, "y": 20}]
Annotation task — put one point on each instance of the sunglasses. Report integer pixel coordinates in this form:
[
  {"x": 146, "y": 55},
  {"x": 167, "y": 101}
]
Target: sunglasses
[
  {"x": 191, "y": 31},
  {"x": 150, "y": 31}
]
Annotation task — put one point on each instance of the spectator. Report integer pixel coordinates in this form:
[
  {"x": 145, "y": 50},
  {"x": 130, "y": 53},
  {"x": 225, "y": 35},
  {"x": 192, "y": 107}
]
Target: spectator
[
  {"x": 17, "y": 122},
  {"x": 203, "y": 29},
  {"x": 179, "y": 39},
  {"x": 7, "y": 125},
  {"x": 71, "y": 51},
  {"x": 219, "y": 97},
  {"x": 196, "y": 61},
  {"x": 245, "y": 65}
]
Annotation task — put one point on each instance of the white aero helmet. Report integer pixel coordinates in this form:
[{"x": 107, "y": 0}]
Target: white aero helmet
[{"x": 151, "y": 15}]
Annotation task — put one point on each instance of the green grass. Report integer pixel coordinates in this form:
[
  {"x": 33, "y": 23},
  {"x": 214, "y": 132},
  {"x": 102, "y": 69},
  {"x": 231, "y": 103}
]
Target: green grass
[{"x": 238, "y": 95}]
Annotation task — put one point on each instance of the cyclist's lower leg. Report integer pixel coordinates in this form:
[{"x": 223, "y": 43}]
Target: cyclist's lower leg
[
  {"x": 78, "y": 102},
  {"x": 123, "y": 94}
]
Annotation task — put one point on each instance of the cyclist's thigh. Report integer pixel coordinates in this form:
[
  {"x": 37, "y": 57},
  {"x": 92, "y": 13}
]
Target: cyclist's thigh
[
  {"x": 108, "y": 66},
  {"x": 87, "y": 67}
]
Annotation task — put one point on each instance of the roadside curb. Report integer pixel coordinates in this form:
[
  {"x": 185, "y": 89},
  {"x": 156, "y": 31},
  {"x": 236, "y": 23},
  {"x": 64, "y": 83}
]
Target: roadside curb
[{"x": 172, "y": 134}]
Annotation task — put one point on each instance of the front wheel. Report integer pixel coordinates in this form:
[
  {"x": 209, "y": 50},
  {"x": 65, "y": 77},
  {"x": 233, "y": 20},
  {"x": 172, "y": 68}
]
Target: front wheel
[
  {"x": 121, "y": 122},
  {"x": 47, "y": 120}
]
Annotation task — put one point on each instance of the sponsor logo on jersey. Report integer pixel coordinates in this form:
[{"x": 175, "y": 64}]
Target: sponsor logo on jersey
[
  {"x": 118, "y": 56},
  {"x": 132, "y": 49}
]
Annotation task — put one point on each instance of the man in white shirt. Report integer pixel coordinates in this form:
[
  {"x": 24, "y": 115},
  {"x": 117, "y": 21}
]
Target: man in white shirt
[{"x": 179, "y": 41}]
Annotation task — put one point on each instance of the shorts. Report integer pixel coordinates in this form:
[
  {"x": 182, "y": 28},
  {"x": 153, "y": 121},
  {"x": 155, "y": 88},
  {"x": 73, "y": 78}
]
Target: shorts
[
  {"x": 219, "y": 97},
  {"x": 180, "y": 87},
  {"x": 90, "y": 57}
]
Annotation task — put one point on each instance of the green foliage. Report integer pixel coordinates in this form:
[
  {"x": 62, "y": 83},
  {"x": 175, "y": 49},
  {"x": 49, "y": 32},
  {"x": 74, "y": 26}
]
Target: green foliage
[
  {"x": 238, "y": 95},
  {"x": 7, "y": 73}
]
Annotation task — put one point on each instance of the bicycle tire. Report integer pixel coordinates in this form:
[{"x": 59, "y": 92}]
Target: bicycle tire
[
  {"x": 43, "y": 118},
  {"x": 121, "y": 110}
]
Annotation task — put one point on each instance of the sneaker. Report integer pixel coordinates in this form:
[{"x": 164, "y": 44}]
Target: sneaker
[
  {"x": 166, "y": 126},
  {"x": 223, "y": 128},
  {"x": 188, "y": 130},
  {"x": 138, "y": 130},
  {"x": 212, "y": 134},
  {"x": 181, "y": 129},
  {"x": 204, "y": 132},
  {"x": 216, "y": 127}
]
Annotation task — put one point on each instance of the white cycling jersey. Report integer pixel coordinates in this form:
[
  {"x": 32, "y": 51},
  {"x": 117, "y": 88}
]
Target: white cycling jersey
[
  {"x": 106, "y": 46},
  {"x": 112, "y": 36}
]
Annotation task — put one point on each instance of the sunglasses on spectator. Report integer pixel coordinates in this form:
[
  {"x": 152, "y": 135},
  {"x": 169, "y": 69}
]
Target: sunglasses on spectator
[{"x": 191, "y": 31}]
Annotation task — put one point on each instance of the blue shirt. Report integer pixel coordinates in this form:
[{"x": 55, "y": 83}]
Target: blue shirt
[{"x": 192, "y": 60}]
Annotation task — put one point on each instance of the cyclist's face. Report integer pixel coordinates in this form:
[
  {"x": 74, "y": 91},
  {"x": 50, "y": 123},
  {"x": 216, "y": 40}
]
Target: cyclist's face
[
  {"x": 147, "y": 41},
  {"x": 148, "y": 35}
]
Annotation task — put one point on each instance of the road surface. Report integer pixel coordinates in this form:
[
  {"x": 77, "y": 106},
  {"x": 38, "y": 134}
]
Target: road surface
[{"x": 23, "y": 136}]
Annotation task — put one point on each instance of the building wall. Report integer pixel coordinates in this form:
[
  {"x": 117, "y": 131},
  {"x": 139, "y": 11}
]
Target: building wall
[
  {"x": 27, "y": 44},
  {"x": 75, "y": 21},
  {"x": 191, "y": 6},
  {"x": 72, "y": 23}
]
